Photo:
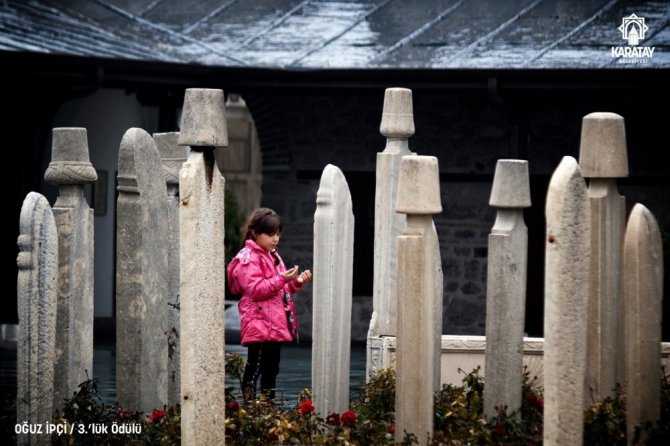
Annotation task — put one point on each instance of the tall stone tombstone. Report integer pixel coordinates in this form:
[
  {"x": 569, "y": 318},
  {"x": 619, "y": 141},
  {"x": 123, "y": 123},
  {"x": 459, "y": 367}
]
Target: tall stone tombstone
[
  {"x": 603, "y": 158},
  {"x": 506, "y": 288},
  {"x": 566, "y": 294},
  {"x": 37, "y": 295},
  {"x": 173, "y": 157},
  {"x": 332, "y": 293},
  {"x": 420, "y": 290},
  {"x": 643, "y": 295},
  {"x": 70, "y": 169},
  {"x": 202, "y": 269},
  {"x": 397, "y": 126},
  {"x": 141, "y": 275}
]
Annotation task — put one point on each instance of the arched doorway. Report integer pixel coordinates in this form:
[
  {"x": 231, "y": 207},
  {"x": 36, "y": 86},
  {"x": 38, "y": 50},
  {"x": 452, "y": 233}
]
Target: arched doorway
[{"x": 241, "y": 162}]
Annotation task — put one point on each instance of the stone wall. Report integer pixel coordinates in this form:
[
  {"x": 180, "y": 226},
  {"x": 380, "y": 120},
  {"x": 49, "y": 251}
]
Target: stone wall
[
  {"x": 465, "y": 353},
  {"x": 301, "y": 132},
  {"x": 303, "y": 128}
]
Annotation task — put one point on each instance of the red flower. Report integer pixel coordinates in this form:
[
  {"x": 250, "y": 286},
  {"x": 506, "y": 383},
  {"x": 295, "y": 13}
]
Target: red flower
[
  {"x": 232, "y": 406},
  {"x": 306, "y": 407},
  {"x": 333, "y": 419},
  {"x": 535, "y": 402},
  {"x": 348, "y": 417},
  {"x": 391, "y": 429},
  {"x": 499, "y": 430},
  {"x": 156, "y": 415}
]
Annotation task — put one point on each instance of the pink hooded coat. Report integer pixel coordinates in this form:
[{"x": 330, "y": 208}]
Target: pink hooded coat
[{"x": 263, "y": 311}]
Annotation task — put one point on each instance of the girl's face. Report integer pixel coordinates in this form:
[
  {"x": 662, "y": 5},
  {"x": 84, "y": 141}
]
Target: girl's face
[{"x": 266, "y": 241}]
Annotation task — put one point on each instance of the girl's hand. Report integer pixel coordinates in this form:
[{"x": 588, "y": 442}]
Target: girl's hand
[
  {"x": 290, "y": 274},
  {"x": 305, "y": 276}
]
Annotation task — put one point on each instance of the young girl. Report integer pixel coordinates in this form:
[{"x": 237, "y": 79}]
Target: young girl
[{"x": 267, "y": 313}]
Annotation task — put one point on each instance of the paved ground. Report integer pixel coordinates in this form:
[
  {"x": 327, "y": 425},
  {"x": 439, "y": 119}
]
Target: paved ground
[
  {"x": 295, "y": 374},
  {"x": 295, "y": 370}
]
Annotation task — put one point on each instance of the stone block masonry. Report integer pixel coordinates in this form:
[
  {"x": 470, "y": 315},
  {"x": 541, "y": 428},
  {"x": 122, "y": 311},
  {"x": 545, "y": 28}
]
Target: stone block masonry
[
  {"x": 643, "y": 298},
  {"x": 468, "y": 134},
  {"x": 37, "y": 295},
  {"x": 568, "y": 261},
  {"x": 172, "y": 157},
  {"x": 506, "y": 288},
  {"x": 397, "y": 126},
  {"x": 332, "y": 299},
  {"x": 419, "y": 284},
  {"x": 141, "y": 275},
  {"x": 202, "y": 269},
  {"x": 602, "y": 159},
  {"x": 71, "y": 169}
]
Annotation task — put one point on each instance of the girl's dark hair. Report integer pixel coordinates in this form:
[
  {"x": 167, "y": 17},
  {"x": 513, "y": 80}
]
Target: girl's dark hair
[{"x": 262, "y": 221}]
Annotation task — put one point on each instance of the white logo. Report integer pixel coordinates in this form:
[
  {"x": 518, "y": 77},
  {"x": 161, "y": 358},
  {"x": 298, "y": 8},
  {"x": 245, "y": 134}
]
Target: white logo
[{"x": 633, "y": 29}]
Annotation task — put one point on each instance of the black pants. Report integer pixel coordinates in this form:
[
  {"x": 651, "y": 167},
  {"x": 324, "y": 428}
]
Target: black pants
[{"x": 263, "y": 361}]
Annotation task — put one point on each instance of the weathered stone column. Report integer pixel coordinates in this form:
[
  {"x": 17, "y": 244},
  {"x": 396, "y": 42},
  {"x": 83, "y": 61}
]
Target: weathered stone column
[
  {"x": 603, "y": 158},
  {"x": 37, "y": 295},
  {"x": 566, "y": 291},
  {"x": 506, "y": 287},
  {"x": 172, "y": 157},
  {"x": 397, "y": 126},
  {"x": 202, "y": 270},
  {"x": 643, "y": 295},
  {"x": 331, "y": 291},
  {"x": 419, "y": 298},
  {"x": 70, "y": 169},
  {"x": 141, "y": 275}
]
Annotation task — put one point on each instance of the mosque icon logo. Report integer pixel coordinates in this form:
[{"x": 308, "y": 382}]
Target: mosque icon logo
[{"x": 633, "y": 29}]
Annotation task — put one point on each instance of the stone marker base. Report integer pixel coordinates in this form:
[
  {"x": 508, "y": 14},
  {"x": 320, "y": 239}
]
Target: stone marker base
[{"x": 466, "y": 353}]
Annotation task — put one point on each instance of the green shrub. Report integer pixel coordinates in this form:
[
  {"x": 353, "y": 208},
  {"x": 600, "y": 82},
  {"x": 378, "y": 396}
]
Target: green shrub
[
  {"x": 459, "y": 418},
  {"x": 88, "y": 421}
]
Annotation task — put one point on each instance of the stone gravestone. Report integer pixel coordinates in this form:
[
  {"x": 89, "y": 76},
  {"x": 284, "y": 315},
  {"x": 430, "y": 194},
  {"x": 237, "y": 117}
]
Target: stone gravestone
[
  {"x": 37, "y": 294},
  {"x": 506, "y": 288},
  {"x": 332, "y": 293},
  {"x": 172, "y": 157},
  {"x": 141, "y": 275},
  {"x": 602, "y": 159},
  {"x": 202, "y": 270},
  {"x": 419, "y": 285},
  {"x": 397, "y": 126},
  {"x": 567, "y": 263},
  {"x": 643, "y": 291},
  {"x": 70, "y": 169}
]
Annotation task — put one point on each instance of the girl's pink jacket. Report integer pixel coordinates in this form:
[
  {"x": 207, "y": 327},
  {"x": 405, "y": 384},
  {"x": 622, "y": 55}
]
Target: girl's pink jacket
[{"x": 263, "y": 310}]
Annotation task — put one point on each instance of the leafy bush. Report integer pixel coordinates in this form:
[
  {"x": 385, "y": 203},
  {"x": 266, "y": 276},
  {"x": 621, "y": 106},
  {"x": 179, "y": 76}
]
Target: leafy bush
[
  {"x": 459, "y": 418},
  {"x": 261, "y": 422},
  {"x": 88, "y": 421},
  {"x": 605, "y": 421},
  {"x": 370, "y": 420}
]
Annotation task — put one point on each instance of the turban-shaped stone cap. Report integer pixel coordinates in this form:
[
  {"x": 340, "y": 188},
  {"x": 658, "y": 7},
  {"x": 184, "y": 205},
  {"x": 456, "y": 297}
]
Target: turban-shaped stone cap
[
  {"x": 203, "y": 119},
  {"x": 70, "y": 163},
  {"x": 510, "y": 185},
  {"x": 69, "y": 144},
  {"x": 418, "y": 186},
  {"x": 602, "y": 152},
  {"x": 397, "y": 114}
]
